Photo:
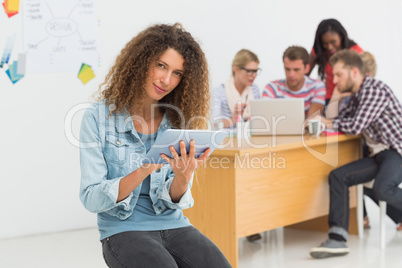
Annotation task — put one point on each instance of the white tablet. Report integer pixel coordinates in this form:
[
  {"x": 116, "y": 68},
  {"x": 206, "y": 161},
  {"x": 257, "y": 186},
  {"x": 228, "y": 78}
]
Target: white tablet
[{"x": 203, "y": 140}]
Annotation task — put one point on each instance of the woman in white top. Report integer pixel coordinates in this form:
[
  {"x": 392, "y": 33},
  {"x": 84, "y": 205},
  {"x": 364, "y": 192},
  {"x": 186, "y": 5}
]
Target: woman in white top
[{"x": 230, "y": 99}]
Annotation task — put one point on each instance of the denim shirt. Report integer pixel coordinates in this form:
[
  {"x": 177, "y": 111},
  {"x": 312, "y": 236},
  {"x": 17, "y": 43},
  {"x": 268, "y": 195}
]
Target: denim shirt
[{"x": 110, "y": 149}]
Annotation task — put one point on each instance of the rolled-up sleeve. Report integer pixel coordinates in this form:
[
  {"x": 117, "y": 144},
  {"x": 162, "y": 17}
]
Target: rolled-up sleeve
[{"x": 186, "y": 201}]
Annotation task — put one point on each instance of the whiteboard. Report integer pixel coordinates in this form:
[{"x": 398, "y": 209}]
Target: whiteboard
[{"x": 60, "y": 35}]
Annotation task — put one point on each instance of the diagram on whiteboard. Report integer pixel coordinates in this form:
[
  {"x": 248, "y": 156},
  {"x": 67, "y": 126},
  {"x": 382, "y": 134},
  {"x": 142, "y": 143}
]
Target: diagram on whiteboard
[{"x": 60, "y": 35}]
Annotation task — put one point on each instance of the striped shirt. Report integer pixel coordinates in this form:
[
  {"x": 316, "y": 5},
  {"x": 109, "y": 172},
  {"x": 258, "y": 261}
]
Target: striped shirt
[
  {"x": 313, "y": 91},
  {"x": 374, "y": 111},
  {"x": 220, "y": 105}
]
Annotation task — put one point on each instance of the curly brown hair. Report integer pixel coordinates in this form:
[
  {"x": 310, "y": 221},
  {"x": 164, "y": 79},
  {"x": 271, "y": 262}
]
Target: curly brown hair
[{"x": 124, "y": 85}]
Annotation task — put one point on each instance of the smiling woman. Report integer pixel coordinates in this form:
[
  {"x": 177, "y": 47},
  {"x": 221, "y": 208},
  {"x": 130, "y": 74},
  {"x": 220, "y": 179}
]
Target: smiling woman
[
  {"x": 330, "y": 37},
  {"x": 159, "y": 81},
  {"x": 124, "y": 84},
  {"x": 164, "y": 76},
  {"x": 230, "y": 99}
]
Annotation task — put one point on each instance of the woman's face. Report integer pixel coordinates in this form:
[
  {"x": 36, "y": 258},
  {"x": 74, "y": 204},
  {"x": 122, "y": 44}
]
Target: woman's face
[
  {"x": 247, "y": 74},
  {"x": 164, "y": 75},
  {"x": 331, "y": 42}
]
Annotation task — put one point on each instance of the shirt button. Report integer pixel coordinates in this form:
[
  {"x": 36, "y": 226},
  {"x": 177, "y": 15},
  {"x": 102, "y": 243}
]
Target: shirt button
[
  {"x": 158, "y": 170},
  {"x": 160, "y": 209},
  {"x": 118, "y": 142}
]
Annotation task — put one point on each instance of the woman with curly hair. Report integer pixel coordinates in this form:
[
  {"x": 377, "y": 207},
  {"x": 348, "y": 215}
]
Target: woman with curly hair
[
  {"x": 159, "y": 81},
  {"x": 330, "y": 37}
]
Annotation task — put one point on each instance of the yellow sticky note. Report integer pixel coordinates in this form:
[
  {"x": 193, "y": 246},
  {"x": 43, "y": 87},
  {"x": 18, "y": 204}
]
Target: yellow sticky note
[
  {"x": 84, "y": 67},
  {"x": 86, "y": 75},
  {"x": 13, "y": 5}
]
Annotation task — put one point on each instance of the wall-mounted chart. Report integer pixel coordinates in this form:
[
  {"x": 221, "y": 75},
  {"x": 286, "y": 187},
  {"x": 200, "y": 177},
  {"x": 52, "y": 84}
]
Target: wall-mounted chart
[{"x": 60, "y": 35}]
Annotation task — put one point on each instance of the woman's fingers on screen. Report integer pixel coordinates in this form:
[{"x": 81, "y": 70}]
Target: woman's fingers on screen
[
  {"x": 183, "y": 150},
  {"x": 192, "y": 149},
  {"x": 206, "y": 153},
  {"x": 203, "y": 157},
  {"x": 175, "y": 155},
  {"x": 166, "y": 158}
]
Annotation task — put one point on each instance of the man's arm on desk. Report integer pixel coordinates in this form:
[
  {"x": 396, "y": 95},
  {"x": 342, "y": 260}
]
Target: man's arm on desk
[{"x": 326, "y": 121}]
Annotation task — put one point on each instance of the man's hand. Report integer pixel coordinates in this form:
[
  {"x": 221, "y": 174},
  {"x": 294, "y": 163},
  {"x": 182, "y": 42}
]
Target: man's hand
[
  {"x": 326, "y": 121},
  {"x": 338, "y": 96}
]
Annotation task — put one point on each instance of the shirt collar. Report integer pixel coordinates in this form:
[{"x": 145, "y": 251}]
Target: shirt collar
[{"x": 125, "y": 123}]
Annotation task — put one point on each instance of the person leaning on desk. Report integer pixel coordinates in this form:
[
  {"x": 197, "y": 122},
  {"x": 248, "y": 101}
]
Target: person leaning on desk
[
  {"x": 139, "y": 206},
  {"x": 375, "y": 112},
  {"x": 297, "y": 84},
  {"x": 330, "y": 37},
  {"x": 340, "y": 101}
]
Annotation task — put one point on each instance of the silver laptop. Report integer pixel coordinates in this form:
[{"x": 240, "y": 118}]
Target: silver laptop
[{"x": 277, "y": 116}]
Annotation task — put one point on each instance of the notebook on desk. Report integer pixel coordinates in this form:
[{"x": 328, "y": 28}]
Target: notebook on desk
[{"x": 277, "y": 117}]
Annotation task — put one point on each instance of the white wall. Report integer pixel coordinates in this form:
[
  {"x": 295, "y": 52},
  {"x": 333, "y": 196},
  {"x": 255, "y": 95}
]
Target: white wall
[{"x": 40, "y": 167}]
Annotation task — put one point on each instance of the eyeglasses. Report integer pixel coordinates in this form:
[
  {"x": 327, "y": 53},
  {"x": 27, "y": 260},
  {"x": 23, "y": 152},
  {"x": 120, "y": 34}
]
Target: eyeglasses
[{"x": 251, "y": 72}]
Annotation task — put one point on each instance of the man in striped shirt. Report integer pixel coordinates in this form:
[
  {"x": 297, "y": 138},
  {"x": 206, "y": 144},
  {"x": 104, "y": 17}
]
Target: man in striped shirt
[
  {"x": 297, "y": 84},
  {"x": 375, "y": 112}
]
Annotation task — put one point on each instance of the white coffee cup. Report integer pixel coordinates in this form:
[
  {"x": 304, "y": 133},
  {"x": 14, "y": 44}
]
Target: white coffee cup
[{"x": 315, "y": 127}]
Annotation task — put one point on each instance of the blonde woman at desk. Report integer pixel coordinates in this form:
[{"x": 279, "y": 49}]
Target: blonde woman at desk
[
  {"x": 139, "y": 206},
  {"x": 230, "y": 99}
]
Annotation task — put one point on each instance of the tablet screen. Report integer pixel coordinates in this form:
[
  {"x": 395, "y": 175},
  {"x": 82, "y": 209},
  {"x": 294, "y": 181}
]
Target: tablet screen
[{"x": 203, "y": 140}]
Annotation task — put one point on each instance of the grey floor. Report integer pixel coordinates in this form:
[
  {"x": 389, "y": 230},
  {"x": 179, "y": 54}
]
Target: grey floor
[{"x": 278, "y": 248}]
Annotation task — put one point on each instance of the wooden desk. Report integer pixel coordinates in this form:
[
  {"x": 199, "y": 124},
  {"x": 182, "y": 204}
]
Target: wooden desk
[{"x": 244, "y": 190}]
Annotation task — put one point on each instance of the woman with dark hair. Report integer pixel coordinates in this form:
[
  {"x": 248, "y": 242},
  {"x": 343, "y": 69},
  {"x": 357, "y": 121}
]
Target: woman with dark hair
[
  {"x": 159, "y": 81},
  {"x": 330, "y": 37}
]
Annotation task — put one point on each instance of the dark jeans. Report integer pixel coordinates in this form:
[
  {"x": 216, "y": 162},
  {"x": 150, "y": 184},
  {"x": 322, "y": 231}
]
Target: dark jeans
[
  {"x": 182, "y": 247},
  {"x": 394, "y": 213},
  {"x": 385, "y": 167}
]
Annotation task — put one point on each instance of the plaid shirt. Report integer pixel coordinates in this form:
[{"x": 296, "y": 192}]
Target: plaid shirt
[{"x": 375, "y": 111}]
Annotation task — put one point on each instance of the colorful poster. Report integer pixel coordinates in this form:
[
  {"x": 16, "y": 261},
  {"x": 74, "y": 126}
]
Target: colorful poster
[{"x": 59, "y": 35}]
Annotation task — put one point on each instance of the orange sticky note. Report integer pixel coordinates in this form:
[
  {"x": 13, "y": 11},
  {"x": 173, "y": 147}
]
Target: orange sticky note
[
  {"x": 13, "y": 6},
  {"x": 8, "y": 12}
]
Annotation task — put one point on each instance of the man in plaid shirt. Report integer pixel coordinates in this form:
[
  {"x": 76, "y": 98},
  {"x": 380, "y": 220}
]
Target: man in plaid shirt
[{"x": 375, "y": 112}]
